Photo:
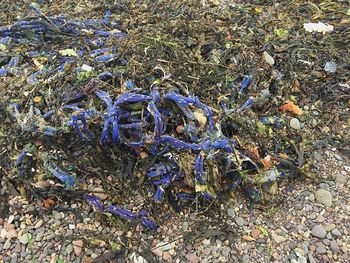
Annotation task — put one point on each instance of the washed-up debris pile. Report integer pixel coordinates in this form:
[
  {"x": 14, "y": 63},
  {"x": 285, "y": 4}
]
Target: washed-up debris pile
[{"x": 71, "y": 92}]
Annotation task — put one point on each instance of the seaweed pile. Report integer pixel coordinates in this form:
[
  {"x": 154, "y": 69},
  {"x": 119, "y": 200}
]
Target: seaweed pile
[{"x": 182, "y": 150}]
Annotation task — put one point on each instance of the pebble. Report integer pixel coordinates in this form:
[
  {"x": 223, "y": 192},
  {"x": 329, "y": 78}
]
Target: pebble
[
  {"x": 39, "y": 224},
  {"x": 318, "y": 157},
  {"x": 311, "y": 258},
  {"x": 336, "y": 232},
  {"x": 295, "y": 124},
  {"x": 158, "y": 252},
  {"x": 240, "y": 221},
  {"x": 25, "y": 238},
  {"x": 192, "y": 257},
  {"x": 100, "y": 193},
  {"x": 329, "y": 227},
  {"x": 225, "y": 251},
  {"x": 165, "y": 246},
  {"x": 321, "y": 249},
  {"x": 318, "y": 231},
  {"x": 230, "y": 212},
  {"x": 255, "y": 233},
  {"x": 324, "y": 197},
  {"x": 7, "y": 244},
  {"x": 167, "y": 256},
  {"x": 185, "y": 226},
  {"x": 69, "y": 249},
  {"x": 77, "y": 246},
  {"x": 334, "y": 246},
  {"x": 11, "y": 218},
  {"x": 341, "y": 179},
  {"x": 338, "y": 157},
  {"x": 277, "y": 238}
]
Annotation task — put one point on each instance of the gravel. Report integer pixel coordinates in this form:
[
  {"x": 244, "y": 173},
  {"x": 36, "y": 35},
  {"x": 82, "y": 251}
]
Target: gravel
[
  {"x": 324, "y": 197},
  {"x": 318, "y": 231}
]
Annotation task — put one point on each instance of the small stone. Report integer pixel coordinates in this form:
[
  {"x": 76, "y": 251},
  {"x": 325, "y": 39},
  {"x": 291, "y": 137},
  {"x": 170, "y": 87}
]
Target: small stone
[
  {"x": 39, "y": 224},
  {"x": 267, "y": 57},
  {"x": 329, "y": 227},
  {"x": 318, "y": 157},
  {"x": 334, "y": 246},
  {"x": 341, "y": 179},
  {"x": 165, "y": 246},
  {"x": 318, "y": 231},
  {"x": 299, "y": 251},
  {"x": 77, "y": 246},
  {"x": 248, "y": 238},
  {"x": 69, "y": 249},
  {"x": 158, "y": 252},
  {"x": 326, "y": 241},
  {"x": 323, "y": 185},
  {"x": 230, "y": 212},
  {"x": 193, "y": 258},
  {"x": 11, "y": 218},
  {"x": 100, "y": 193},
  {"x": 25, "y": 238},
  {"x": 58, "y": 216},
  {"x": 336, "y": 232},
  {"x": 225, "y": 251},
  {"x": 12, "y": 233},
  {"x": 321, "y": 249},
  {"x": 3, "y": 233},
  {"x": 295, "y": 124},
  {"x": 338, "y": 157},
  {"x": 255, "y": 233},
  {"x": 206, "y": 242},
  {"x": 311, "y": 258},
  {"x": 277, "y": 238},
  {"x": 324, "y": 197},
  {"x": 240, "y": 221},
  {"x": 320, "y": 219},
  {"x": 167, "y": 256},
  {"x": 185, "y": 226},
  {"x": 7, "y": 244}
]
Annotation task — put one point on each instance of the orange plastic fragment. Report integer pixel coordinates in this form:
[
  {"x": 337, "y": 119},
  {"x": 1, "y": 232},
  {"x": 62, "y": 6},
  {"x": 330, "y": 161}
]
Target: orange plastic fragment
[
  {"x": 291, "y": 107},
  {"x": 253, "y": 152},
  {"x": 267, "y": 162},
  {"x": 48, "y": 203}
]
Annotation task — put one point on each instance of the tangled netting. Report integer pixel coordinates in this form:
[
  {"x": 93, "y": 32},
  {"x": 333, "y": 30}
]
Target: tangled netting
[{"x": 159, "y": 122}]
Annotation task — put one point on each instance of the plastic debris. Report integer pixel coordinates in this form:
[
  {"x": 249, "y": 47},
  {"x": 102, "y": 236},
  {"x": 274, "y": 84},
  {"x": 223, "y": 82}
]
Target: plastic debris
[
  {"x": 318, "y": 27},
  {"x": 159, "y": 121},
  {"x": 330, "y": 67},
  {"x": 269, "y": 60}
]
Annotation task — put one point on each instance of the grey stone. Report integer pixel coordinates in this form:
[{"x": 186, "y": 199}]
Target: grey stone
[
  {"x": 239, "y": 221},
  {"x": 69, "y": 249},
  {"x": 341, "y": 179},
  {"x": 185, "y": 226},
  {"x": 336, "y": 232},
  {"x": 321, "y": 249},
  {"x": 226, "y": 251},
  {"x": 7, "y": 244},
  {"x": 326, "y": 241},
  {"x": 24, "y": 239},
  {"x": 323, "y": 185},
  {"x": 318, "y": 157},
  {"x": 324, "y": 197},
  {"x": 230, "y": 212},
  {"x": 334, "y": 246},
  {"x": 17, "y": 248},
  {"x": 295, "y": 124},
  {"x": 39, "y": 224},
  {"x": 318, "y": 231},
  {"x": 338, "y": 157}
]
